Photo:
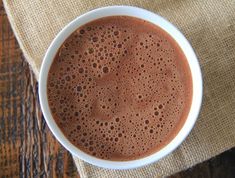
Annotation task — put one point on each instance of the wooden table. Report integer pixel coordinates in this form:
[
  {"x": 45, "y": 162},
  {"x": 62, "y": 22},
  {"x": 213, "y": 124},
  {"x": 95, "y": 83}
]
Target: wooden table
[{"x": 27, "y": 147}]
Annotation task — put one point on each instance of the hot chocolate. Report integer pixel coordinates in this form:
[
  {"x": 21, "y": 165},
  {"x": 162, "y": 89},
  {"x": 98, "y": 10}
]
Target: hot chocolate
[{"x": 120, "y": 88}]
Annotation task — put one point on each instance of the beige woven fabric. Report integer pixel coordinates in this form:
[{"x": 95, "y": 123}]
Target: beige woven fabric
[{"x": 209, "y": 26}]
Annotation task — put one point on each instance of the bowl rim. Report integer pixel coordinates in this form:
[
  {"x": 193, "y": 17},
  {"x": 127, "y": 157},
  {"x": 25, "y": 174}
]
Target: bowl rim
[{"x": 152, "y": 18}]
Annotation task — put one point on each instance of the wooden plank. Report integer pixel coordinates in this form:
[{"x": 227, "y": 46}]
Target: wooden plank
[{"x": 27, "y": 147}]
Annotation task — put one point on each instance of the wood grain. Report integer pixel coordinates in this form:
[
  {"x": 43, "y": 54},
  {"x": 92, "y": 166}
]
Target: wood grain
[{"x": 27, "y": 147}]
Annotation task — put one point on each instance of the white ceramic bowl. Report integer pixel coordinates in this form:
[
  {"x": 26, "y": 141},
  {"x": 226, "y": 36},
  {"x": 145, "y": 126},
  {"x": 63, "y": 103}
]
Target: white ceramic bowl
[{"x": 148, "y": 16}]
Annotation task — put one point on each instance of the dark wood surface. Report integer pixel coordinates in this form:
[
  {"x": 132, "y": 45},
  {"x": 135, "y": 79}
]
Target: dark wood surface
[{"x": 27, "y": 147}]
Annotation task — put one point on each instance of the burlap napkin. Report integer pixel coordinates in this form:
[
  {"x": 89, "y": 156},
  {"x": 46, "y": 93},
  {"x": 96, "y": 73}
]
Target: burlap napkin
[{"x": 209, "y": 26}]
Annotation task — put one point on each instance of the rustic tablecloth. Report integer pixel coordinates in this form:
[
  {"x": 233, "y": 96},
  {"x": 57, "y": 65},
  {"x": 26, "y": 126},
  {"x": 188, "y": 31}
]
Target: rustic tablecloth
[{"x": 208, "y": 25}]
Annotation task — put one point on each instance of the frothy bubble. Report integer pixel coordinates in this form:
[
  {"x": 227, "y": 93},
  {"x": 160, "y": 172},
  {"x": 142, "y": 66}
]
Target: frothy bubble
[{"x": 110, "y": 87}]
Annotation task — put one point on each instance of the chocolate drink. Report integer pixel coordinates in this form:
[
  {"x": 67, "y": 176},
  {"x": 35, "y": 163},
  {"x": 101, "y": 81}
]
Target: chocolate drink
[{"x": 120, "y": 88}]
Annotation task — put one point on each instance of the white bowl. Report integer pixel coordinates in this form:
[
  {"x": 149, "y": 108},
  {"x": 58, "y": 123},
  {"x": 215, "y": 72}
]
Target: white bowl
[{"x": 150, "y": 17}]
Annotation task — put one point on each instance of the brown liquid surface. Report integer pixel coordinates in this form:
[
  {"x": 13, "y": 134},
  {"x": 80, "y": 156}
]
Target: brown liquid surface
[{"x": 120, "y": 88}]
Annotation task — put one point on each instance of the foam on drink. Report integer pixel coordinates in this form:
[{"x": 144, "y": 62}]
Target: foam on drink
[{"x": 120, "y": 88}]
